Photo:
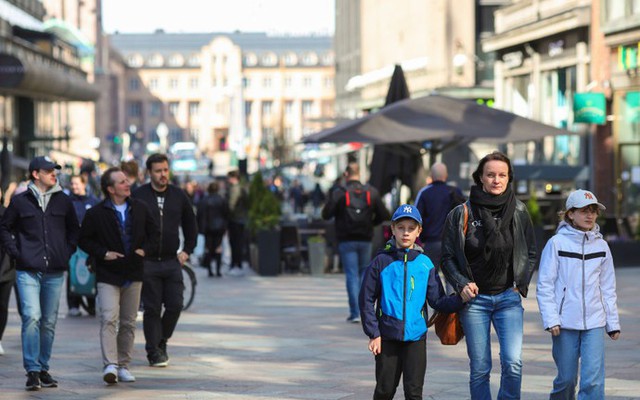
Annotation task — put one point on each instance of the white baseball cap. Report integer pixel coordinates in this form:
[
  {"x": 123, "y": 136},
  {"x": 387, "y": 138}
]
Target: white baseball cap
[{"x": 582, "y": 198}]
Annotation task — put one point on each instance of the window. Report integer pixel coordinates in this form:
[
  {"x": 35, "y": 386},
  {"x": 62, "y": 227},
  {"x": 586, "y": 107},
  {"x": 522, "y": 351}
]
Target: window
[
  {"x": 134, "y": 109},
  {"x": 310, "y": 59},
  {"x": 135, "y": 61},
  {"x": 328, "y": 59},
  {"x": 194, "y": 108},
  {"x": 307, "y": 81},
  {"x": 194, "y": 83},
  {"x": 174, "y": 107},
  {"x": 176, "y": 60},
  {"x": 194, "y": 60},
  {"x": 288, "y": 81},
  {"x": 266, "y": 82},
  {"x": 290, "y": 59},
  {"x": 267, "y": 107},
  {"x": 175, "y": 135},
  {"x": 155, "y": 61},
  {"x": 247, "y": 107},
  {"x": 153, "y": 83},
  {"x": 246, "y": 82},
  {"x": 195, "y": 134},
  {"x": 269, "y": 60},
  {"x": 250, "y": 60},
  {"x": 156, "y": 109},
  {"x": 288, "y": 107},
  {"x": 173, "y": 83},
  {"x": 328, "y": 82},
  {"x": 307, "y": 107},
  {"x": 134, "y": 84}
]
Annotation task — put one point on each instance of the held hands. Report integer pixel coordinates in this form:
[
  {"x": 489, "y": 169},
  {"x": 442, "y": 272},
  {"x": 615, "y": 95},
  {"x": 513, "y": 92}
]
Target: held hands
[
  {"x": 469, "y": 292},
  {"x": 182, "y": 257},
  {"x": 112, "y": 255},
  {"x": 375, "y": 345}
]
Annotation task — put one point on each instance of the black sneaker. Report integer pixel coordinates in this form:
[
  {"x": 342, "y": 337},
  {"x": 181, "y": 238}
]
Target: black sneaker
[
  {"x": 33, "y": 381},
  {"x": 163, "y": 348},
  {"x": 47, "y": 380},
  {"x": 158, "y": 359}
]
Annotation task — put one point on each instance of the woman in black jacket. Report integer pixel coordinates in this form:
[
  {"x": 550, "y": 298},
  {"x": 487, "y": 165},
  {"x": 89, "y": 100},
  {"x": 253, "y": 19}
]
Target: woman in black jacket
[
  {"x": 488, "y": 255},
  {"x": 117, "y": 233}
]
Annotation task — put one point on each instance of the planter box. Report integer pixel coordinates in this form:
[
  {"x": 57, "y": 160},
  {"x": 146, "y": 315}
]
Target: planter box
[
  {"x": 317, "y": 257},
  {"x": 268, "y": 252},
  {"x": 625, "y": 253}
]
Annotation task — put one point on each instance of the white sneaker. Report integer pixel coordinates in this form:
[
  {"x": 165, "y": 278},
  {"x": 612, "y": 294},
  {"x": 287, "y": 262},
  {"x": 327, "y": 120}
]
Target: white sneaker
[
  {"x": 124, "y": 375},
  {"x": 1, "y": 349},
  {"x": 110, "y": 374},
  {"x": 74, "y": 312},
  {"x": 140, "y": 316}
]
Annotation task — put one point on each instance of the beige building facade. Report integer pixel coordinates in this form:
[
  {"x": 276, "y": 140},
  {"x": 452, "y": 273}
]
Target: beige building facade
[{"x": 237, "y": 95}]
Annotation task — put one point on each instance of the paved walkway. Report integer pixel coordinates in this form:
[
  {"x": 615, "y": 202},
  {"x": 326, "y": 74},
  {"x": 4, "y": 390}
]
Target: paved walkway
[{"x": 286, "y": 338}]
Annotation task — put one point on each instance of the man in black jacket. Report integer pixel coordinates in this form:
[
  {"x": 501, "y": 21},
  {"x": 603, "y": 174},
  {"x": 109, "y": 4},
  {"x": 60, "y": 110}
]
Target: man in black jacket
[
  {"x": 163, "y": 284},
  {"x": 39, "y": 230},
  {"x": 118, "y": 232},
  {"x": 213, "y": 216},
  {"x": 357, "y": 208}
]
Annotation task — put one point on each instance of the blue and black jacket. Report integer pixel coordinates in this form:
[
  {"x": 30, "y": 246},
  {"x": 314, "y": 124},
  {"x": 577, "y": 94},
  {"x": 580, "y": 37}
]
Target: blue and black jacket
[{"x": 395, "y": 290}]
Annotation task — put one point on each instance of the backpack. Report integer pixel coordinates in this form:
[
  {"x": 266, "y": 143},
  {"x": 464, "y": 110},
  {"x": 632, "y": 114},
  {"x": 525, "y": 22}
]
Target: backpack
[{"x": 359, "y": 212}]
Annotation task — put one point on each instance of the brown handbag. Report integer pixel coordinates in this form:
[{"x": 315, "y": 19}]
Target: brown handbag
[{"x": 448, "y": 327}]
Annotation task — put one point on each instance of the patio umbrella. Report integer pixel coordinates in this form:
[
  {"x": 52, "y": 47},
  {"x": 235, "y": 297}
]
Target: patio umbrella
[
  {"x": 436, "y": 117},
  {"x": 395, "y": 162}
]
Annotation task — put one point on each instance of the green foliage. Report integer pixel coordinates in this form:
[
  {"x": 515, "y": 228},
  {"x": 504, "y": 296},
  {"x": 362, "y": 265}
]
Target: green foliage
[
  {"x": 316, "y": 239},
  {"x": 534, "y": 209},
  {"x": 264, "y": 208}
]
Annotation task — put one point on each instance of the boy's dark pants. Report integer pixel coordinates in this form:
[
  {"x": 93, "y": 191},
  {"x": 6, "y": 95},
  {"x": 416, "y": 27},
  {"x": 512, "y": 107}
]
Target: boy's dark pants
[{"x": 406, "y": 359}]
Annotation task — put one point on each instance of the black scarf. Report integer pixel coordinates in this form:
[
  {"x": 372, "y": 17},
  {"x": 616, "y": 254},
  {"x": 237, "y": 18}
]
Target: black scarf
[{"x": 496, "y": 213}]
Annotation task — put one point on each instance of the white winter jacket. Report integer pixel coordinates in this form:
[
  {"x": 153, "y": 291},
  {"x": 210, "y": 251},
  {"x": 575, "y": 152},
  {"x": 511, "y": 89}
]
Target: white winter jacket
[{"x": 576, "y": 282}]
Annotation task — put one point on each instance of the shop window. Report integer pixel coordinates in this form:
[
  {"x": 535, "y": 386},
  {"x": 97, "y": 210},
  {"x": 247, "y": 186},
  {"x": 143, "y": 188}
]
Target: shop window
[
  {"x": 174, "y": 107},
  {"x": 134, "y": 109},
  {"x": 156, "y": 109}
]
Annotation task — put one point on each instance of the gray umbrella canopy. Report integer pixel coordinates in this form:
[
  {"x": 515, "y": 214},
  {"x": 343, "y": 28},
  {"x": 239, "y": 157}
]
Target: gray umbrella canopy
[{"x": 436, "y": 117}]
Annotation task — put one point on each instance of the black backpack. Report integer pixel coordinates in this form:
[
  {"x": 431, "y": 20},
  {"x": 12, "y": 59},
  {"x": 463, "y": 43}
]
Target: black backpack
[{"x": 359, "y": 212}]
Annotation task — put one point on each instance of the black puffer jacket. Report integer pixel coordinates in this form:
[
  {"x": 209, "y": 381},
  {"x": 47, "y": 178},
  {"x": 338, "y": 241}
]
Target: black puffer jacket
[{"x": 454, "y": 263}]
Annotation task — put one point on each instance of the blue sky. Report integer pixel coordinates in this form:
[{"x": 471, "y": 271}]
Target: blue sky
[{"x": 272, "y": 16}]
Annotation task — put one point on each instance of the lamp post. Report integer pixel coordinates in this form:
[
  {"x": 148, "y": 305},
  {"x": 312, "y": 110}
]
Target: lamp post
[{"x": 162, "y": 130}]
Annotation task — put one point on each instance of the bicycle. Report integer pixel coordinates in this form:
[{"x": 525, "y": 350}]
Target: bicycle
[{"x": 190, "y": 282}]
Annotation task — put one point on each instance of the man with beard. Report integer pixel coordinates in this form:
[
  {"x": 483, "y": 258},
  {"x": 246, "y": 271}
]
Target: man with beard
[
  {"x": 162, "y": 284},
  {"x": 39, "y": 231}
]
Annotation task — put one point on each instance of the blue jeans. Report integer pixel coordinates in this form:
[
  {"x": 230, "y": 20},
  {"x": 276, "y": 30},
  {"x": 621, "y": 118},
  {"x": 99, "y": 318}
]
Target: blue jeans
[
  {"x": 505, "y": 312},
  {"x": 588, "y": 347},
  {"x": 355, "y": 257},
  {"x": 39, "y": 300}
]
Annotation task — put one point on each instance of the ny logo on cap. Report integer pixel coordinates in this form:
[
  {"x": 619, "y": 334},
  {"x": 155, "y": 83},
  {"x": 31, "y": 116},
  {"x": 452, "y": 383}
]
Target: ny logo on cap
[
  {"x": 588, "y": 196},
  {"x": 407, "y": 209}
]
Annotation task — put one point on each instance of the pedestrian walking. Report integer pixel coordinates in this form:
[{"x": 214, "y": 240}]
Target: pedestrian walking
[
  {"x": 238, "y": 200},
  {"x": 39, "y": 230},
  {"x": 118, "y": 233},
  {"x": 356, "y": 208},
  {"x": 163, "y": 284},
  {"x": 576, "y": 295},
  {"x": 7, "y": 279},
  {"x": 213, "y": 216},
  {"x": 81, "y": 203},
  {"x": 397, "y": 286},
  {"x": 434, "y": 202},
  {"x": 492, "y": 264}
]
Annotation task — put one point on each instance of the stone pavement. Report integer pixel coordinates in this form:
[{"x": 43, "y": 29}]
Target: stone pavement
[{"x": 286, "y": 338}]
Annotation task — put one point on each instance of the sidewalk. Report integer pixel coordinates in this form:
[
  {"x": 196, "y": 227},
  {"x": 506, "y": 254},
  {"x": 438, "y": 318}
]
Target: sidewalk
[{"x": 286, "y": 338}]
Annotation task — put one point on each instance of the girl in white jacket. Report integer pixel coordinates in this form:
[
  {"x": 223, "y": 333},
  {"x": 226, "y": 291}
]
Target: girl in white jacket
[{"x": 576, "y": 295}]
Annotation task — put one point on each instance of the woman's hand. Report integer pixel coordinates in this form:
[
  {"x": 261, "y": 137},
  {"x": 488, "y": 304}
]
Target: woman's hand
[
  {"x": 469, "y": 292},
  {"x": 140, "y": 252},
  {"x": 614, "y": 335},
  {"x": 375, "y": 345}
]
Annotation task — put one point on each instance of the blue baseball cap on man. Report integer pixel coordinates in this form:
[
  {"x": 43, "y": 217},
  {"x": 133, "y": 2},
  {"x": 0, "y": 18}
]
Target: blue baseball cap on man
[
  {"x": 43, "y": 162},
  {"x": 407, "y": 211}
]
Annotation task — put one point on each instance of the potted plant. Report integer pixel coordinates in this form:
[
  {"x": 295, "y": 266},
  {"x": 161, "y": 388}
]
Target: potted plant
[
  {"x": 536, "y": 219},
  {"x": 317, "y": 246},
  {"x": 264, "y": 218}
]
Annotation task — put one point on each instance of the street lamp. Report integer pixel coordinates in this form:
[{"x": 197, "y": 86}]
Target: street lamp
[{"x": 162, "y": 130}]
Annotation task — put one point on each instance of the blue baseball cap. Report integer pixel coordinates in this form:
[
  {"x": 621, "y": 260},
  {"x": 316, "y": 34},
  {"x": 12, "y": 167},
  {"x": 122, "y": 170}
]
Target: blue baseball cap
[{"x": 407, "y": 211}]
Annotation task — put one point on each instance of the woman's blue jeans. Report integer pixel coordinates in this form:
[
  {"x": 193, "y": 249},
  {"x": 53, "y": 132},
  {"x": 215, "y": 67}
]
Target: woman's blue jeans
[
  {"x": 587, "y": 347},
  {"x": 39, "y": 300},
  {"x": 505, "y": 312},
  {"x": 355, "y": 257}
]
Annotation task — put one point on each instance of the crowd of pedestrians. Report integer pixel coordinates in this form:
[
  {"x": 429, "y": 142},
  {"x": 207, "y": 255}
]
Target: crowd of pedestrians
[{"x": 138, "y": 236}]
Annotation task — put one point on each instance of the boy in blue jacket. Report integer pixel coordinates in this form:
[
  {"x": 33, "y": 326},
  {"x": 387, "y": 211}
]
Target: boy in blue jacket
[{"x": 393, "y": 307}]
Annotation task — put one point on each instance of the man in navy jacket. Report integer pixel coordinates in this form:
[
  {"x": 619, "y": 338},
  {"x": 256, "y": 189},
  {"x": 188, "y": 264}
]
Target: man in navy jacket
[{"x": 39, "y": 231}]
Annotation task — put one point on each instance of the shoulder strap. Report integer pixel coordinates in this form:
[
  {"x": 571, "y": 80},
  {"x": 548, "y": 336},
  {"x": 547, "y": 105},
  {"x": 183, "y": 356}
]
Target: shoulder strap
[{"x": 466, "y": 218}]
